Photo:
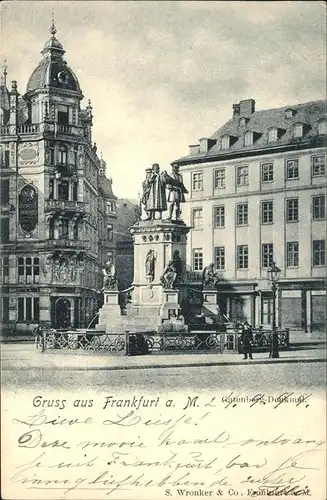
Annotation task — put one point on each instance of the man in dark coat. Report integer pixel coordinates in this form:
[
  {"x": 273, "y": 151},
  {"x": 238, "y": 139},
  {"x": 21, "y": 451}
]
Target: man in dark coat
[{"x": 247, "y": 340}]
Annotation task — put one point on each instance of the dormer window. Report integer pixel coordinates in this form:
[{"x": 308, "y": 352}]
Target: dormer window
[
  {"x": 289, "y": 113},
  {"x": 298, "y": 130},
  {"x": 248, "y": 139},
  {"x": 322, "y": 127},
  {"x": 243, "y": 121},
  {"x": 273, "y": 135},
  {"x": 225, "y": 142}
]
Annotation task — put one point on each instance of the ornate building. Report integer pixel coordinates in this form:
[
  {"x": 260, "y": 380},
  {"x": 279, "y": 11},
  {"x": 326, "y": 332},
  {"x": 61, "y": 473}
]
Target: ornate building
[
  {"x": 257, "y": 195},
  {"x": 57, "y": 205}
]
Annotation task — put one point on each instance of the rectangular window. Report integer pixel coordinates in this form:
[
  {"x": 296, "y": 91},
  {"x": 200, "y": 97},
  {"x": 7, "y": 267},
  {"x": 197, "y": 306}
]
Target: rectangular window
[
  {"x": 242, "y": 176},
  {"x": 4, "y": 195},
  {"x": 267, "y": 255},
  {"x": 292, "y": 254},
  {"x": 28, "y": 309},
  {"x": 248, "y": 139},
  {"x": 292, "y": 210},
  {"x": 219, "y": 178},
  {"x": 197, "y": 218},
  {"x": 4, "y": 313},
  {"x": 225, "y": 140},
  {"x": 63, "y": 116},
  {"x": 4, "y": 229},
  {"x": 110, "y": 232},
  {"x": 242, "y": 214},
  {"x": 219, "y": 216},
  {"x": 292, "y": 169},
  {"x": 5, "y": 158},
  {"x": 267, "y": 212},
  {"x": 28, "y": 270},
  {"x": 197, "y": 259},
  {"x": 220, "y": 258},
  {"x": 267, "y": 172},
  {"x": 273, "y": 135},
  {"x": 298, "y": 130},
  {"x": 197, "y": 181},
  {"x": 318, "y": 207},
  {"x": 4, "y": 271},
  {"x": 242, "y": 257},
  {"x": 318, "y": 253},
  {"x": 318, "y": 165}
]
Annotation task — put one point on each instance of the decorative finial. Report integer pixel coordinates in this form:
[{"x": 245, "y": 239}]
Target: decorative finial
[{"x": 53, "y": 29}]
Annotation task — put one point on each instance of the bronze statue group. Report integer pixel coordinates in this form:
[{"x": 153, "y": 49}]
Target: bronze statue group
[{"x": 154, "y": 198}]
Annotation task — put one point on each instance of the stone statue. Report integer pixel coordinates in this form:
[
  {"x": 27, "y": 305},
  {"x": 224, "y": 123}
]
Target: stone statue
[
  {"x": 109, "y": 275},
  {"x": 168, "y": 278},
  {"x": 209, "y": 277},
  {"x": 176, "y": 193},
  {"x": 156, "y": 200},
  {"x": 150, "y": 265},
  {"x": 172, "y": 272},
  {"x": 146, "y": 192}
]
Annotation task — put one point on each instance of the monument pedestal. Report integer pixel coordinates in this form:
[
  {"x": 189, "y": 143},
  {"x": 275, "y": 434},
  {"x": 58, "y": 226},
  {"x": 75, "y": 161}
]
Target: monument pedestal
[
  {"x": 170, "y": 305},
  {"x": 155, "y": 242},
  {"x": 210, "y": 304},
  {"x": 110, "y": 312}
]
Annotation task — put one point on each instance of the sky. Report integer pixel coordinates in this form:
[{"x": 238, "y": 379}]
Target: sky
[{"x": 161, "y": 75}]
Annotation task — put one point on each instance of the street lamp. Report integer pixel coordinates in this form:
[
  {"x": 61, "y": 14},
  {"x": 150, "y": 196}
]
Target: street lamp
[{"x": 273, "y": 277}]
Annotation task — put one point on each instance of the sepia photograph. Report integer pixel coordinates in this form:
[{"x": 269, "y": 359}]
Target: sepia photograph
[{"x": 163, "y": 249}]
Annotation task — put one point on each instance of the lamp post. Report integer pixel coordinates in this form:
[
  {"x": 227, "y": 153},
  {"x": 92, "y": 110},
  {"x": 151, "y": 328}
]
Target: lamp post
[{"x": 273, "y": 277}]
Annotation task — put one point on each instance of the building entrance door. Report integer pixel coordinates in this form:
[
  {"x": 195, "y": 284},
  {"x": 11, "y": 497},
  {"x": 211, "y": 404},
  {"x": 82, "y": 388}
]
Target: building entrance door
[
  {"x": 62, "y": 313},
  {"x": 266, "y": 311}
]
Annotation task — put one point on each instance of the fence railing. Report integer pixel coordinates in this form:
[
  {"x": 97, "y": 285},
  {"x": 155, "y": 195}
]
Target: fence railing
[
  {"x": 83, "y": 340},
  {"x": 133, "y": 343}
]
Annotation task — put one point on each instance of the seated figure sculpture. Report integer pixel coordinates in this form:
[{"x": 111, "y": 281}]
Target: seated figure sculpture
[
  {"x": 172, "y": 271},
  {"x": 209, "y": 277}
]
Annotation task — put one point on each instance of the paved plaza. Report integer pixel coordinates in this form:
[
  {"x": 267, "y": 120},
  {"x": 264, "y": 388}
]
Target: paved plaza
[{"x": 25, "y": 367}]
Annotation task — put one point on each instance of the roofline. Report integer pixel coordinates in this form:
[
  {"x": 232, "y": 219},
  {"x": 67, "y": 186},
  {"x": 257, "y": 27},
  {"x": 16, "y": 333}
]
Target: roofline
[
  {"x": 318, "y": 142},
  {"x": 54, "y": 90}
]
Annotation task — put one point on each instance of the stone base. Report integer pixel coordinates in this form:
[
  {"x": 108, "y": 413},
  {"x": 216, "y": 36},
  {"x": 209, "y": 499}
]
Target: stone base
[
  {"x": 170, "y": 306},
  {"x": 109, "y": 313},
  {"x": 210, "y": 306}
]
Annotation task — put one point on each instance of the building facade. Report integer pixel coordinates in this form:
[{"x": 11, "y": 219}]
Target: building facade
[
  {"x": 257, "y": 194},
  {"x": 128, "y": 212},
  {"x": 57, "y": 205}
]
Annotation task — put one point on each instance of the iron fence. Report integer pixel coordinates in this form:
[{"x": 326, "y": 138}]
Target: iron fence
[
  {"x": 132, "y": 343},
  {"x": 84, "y": 340}
]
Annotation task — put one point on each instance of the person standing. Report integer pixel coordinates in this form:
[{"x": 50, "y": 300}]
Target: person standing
[{"x": 247, "y": 340}]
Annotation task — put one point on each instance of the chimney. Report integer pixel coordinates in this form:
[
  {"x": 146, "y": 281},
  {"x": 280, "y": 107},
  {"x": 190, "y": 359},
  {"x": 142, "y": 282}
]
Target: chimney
[
  {"x": 194, "y": 149},
  {"x": 247, "y": 107},
  {"x": 236, "y": 109}
]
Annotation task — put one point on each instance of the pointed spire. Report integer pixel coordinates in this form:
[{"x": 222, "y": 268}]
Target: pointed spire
[
  {"x": 53, "y": 29},
  {"x": 4, "y": 74}
]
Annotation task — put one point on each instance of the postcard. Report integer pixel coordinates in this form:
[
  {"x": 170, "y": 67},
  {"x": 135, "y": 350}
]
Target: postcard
[{"x": 163, "y": 250}]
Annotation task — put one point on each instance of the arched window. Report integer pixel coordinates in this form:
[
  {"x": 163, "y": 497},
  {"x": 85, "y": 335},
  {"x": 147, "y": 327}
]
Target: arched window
[{"x": 62, "y": 155}]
